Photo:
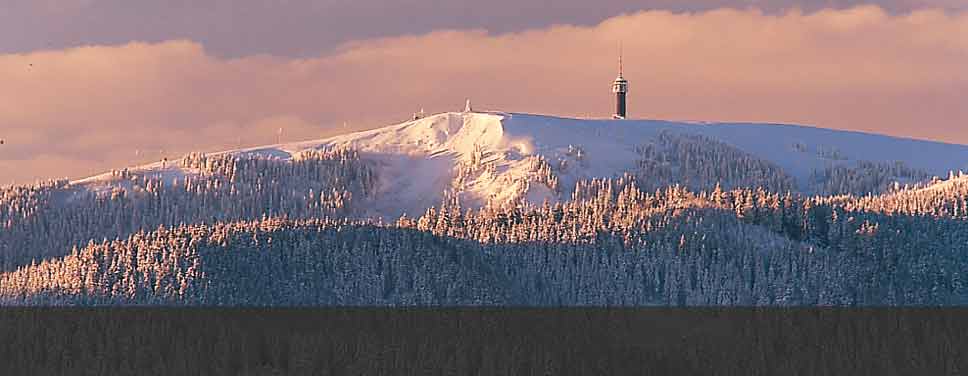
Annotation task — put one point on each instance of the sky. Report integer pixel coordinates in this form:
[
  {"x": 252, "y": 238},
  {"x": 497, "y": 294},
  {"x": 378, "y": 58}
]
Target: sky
[{"x": 91, "y": 85}]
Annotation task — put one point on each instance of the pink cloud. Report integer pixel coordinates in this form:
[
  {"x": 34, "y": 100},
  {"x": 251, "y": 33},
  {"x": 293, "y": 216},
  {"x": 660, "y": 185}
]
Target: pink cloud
[{"x": 79, "y": 111}]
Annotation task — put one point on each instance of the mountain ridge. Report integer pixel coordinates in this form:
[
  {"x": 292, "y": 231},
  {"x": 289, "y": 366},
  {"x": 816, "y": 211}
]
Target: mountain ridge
[{"x": 500, "y": 158}]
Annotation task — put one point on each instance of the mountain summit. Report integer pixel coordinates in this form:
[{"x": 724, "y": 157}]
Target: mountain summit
[{"x": 496, "y": 158}]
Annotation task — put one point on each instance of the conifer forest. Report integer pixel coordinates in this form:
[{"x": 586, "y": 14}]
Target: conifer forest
[{"x": 697, "y": 223}]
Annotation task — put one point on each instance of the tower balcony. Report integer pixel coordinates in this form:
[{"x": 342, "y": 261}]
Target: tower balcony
[{"x": 620, "y": 85}]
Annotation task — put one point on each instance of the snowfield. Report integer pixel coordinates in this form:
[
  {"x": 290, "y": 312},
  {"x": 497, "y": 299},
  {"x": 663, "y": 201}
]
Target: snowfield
[{"x": 500, "y": 158}]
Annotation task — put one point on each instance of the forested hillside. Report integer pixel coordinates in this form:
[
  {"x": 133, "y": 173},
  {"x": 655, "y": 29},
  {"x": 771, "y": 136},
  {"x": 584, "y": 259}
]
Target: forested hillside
[
  {"x": 46, "y": 220},
  {"x": 700, "y": 163},
  {"x": 612, "y": 245}
]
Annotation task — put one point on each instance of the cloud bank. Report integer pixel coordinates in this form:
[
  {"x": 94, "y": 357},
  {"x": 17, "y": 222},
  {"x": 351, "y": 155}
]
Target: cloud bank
[
  {"x": 79, "y": 111},
  {"x": 305, "y": 27}
]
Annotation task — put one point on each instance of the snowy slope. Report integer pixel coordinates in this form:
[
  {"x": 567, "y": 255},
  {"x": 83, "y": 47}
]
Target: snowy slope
[{"x": 420, "y": 160}]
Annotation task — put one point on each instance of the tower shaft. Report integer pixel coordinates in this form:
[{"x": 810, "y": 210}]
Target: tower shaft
[{"x": 620, "y": 105}]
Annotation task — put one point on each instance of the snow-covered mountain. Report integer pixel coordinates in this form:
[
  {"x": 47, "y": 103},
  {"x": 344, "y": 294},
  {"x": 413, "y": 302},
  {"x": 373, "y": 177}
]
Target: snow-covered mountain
[
  {"x": 293, "y": 224},
  {"x": 499, "y": 158}
]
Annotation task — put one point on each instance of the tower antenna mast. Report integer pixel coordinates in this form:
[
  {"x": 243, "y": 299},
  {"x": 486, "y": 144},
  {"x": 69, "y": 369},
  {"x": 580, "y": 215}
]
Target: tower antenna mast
[{"x": 620, "y": 68}]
